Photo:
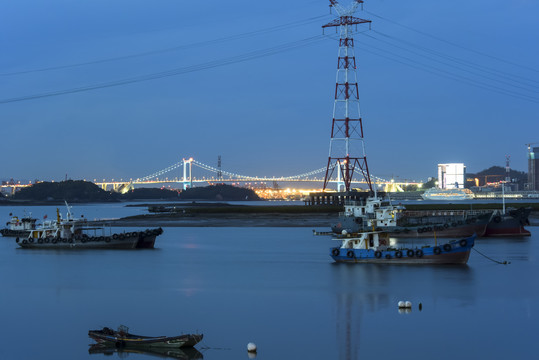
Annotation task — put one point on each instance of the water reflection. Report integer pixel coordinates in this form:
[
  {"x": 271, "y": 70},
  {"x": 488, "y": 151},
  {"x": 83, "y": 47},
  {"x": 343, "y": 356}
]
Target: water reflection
[
  {"x": 183, "y": 353},
  {"x": 367, "y": 295}
]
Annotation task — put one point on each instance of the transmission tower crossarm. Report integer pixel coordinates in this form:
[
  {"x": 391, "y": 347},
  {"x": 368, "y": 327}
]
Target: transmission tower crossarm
[{"x": 341, "y": 10}]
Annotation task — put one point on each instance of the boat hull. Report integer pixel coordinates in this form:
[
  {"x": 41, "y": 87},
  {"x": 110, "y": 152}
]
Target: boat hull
[
  {"x": 441, "y": 231},
  {"x": 14, "y": 233},
  {"x": 455, "y": 252},
  {"x": 144, "y": 342},
  {"x": 509, "y": 224},
  {"x": 131, "y": 240}
]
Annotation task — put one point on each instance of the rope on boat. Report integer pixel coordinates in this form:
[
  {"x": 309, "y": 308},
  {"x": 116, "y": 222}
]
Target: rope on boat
[{"x": 505, "y": 262}]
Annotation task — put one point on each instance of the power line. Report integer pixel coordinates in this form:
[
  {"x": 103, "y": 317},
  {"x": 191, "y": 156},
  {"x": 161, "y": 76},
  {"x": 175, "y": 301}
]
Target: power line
[
  {"x": 452, "y": 43},
  {"x": 448, "y": 75},
  {"x": 482, "y": 68},
  {"x": 174, "y": 48},
  {"x": 521, "y": 85},
  {"x": 178, "y": 71}
]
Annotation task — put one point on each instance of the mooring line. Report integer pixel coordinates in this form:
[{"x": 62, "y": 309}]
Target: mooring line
[{"x": 505, "y": 262}]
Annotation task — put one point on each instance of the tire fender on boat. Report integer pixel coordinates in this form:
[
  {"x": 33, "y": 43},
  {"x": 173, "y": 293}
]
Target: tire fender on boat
[
  {"x": 410, "y": 253},
  {"x": 463, "y": 243},
  {"x": 437, "y": 250},
  {"x": 419, "y": 253},
  {"x": 350, "y": 254},
  {"x": 388, "y": 256},
  {"x": 378, "y": 254},
  {"x": 447, "y": 247},
  {"x": 335, "y": 252},
  {"x": 398, "y": 254}
]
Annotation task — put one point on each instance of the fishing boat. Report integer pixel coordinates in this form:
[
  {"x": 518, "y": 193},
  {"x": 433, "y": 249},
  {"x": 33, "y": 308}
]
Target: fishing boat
[
  {"x": 19, "y": 226},
  {"x": 70, "y": 233},
  {"x": 374, "y": 247},
  {"x": 364, "y": 214},
  {"x": 64, "y": 238},
  {"x": 509, "y": 223},
  {"x": 121, "y": 338}
]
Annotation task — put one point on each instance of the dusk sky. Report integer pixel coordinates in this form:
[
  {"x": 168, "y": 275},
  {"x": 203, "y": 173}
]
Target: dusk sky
[{"x": 253, "y": 81}]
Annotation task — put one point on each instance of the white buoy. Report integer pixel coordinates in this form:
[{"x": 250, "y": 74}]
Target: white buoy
[
  {"x": 405, "y": 304},
  {"x": 251, "y": 347},
  {"x": 344, "y": 232}
]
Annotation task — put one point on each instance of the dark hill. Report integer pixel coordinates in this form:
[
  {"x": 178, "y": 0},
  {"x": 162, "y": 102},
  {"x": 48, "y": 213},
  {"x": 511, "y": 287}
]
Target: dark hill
[
  {"x": 219, "y": 192},
  {"x": 84, "y": 191},
  {"x": 497, "y": 173},
  {"x": 70, "y": 190}
]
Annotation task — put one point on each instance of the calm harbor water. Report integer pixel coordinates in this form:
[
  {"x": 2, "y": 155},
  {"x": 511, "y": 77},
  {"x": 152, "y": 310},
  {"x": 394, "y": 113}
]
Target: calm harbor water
[{"x": 276, "y": 287}]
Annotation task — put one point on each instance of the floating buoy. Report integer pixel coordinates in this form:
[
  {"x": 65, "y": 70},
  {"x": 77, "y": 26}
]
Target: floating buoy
[
  {"x": 251, "y": 347},
  {"x": 405, "y": 304}
]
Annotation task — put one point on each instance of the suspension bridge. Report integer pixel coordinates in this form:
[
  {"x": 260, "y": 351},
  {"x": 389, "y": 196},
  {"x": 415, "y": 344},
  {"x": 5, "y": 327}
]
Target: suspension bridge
[{"x": 210, "y": 174}]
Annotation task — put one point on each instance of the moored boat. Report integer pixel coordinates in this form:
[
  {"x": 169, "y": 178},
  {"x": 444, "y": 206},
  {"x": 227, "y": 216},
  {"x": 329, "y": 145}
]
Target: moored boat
[
  {"x": 510, "y": 223},
  {"x": 71, "y": 233},
  {"x": 19, "y": 226},
  {"x": 373, "y": 247},
  {"x": 373, "y": 212},
  {"x": 121, "y": 338},
  {"x": 58, "y": 239}
]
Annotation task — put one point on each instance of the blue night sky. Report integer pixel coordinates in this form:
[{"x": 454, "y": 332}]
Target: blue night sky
[{"x": 440, "y": 81}]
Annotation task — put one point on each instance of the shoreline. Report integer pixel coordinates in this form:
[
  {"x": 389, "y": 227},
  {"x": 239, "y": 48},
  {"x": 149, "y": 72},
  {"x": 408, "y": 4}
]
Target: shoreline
[{"x": 223, "y": 220}]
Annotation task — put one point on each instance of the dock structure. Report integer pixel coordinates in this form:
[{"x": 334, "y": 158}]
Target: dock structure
[{"x": 336, "y": 198}]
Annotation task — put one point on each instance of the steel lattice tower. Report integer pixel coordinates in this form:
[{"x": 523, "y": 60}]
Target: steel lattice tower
[{"x": 347, "y": 147}]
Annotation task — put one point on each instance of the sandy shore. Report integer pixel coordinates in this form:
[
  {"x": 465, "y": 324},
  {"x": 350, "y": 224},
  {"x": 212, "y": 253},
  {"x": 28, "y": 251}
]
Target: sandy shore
[{"x": 322, "y": 220}]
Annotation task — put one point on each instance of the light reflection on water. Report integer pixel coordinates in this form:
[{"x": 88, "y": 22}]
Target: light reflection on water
[{"x": 276, "y": 287}]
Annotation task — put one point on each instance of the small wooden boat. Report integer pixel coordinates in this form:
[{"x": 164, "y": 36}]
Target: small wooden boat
[
  {"x": 373, "y": 247},
  {"x": 123, "y": 339}
]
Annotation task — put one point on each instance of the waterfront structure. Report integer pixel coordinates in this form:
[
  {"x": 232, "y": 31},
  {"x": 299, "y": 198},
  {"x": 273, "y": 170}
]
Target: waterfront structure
[
  {"x": 346, "y": 147},
  {"x": 451, "y": 176}
]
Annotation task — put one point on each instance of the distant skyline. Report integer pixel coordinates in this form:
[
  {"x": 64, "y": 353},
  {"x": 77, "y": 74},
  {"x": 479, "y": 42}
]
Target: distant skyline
[{"x": 440, "y": 82}]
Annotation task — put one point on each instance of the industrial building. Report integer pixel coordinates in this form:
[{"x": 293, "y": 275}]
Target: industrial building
[{"x": 451, "y": 176}]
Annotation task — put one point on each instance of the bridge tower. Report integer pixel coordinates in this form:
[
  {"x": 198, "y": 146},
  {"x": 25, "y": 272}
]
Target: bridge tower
[
  {"x": 346, "y": 147},
  {"x": 187, "y": 182}
]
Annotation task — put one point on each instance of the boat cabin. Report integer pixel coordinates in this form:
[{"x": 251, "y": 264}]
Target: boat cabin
[
  {"x": 373, "y": 240},
  {"x": 376, "y": 212}
]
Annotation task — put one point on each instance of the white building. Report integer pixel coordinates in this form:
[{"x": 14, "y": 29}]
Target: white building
[{"x": 451, "y": 176}]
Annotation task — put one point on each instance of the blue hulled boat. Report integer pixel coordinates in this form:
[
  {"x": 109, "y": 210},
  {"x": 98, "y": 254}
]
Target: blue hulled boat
[{"x": 373, "y": 247}]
